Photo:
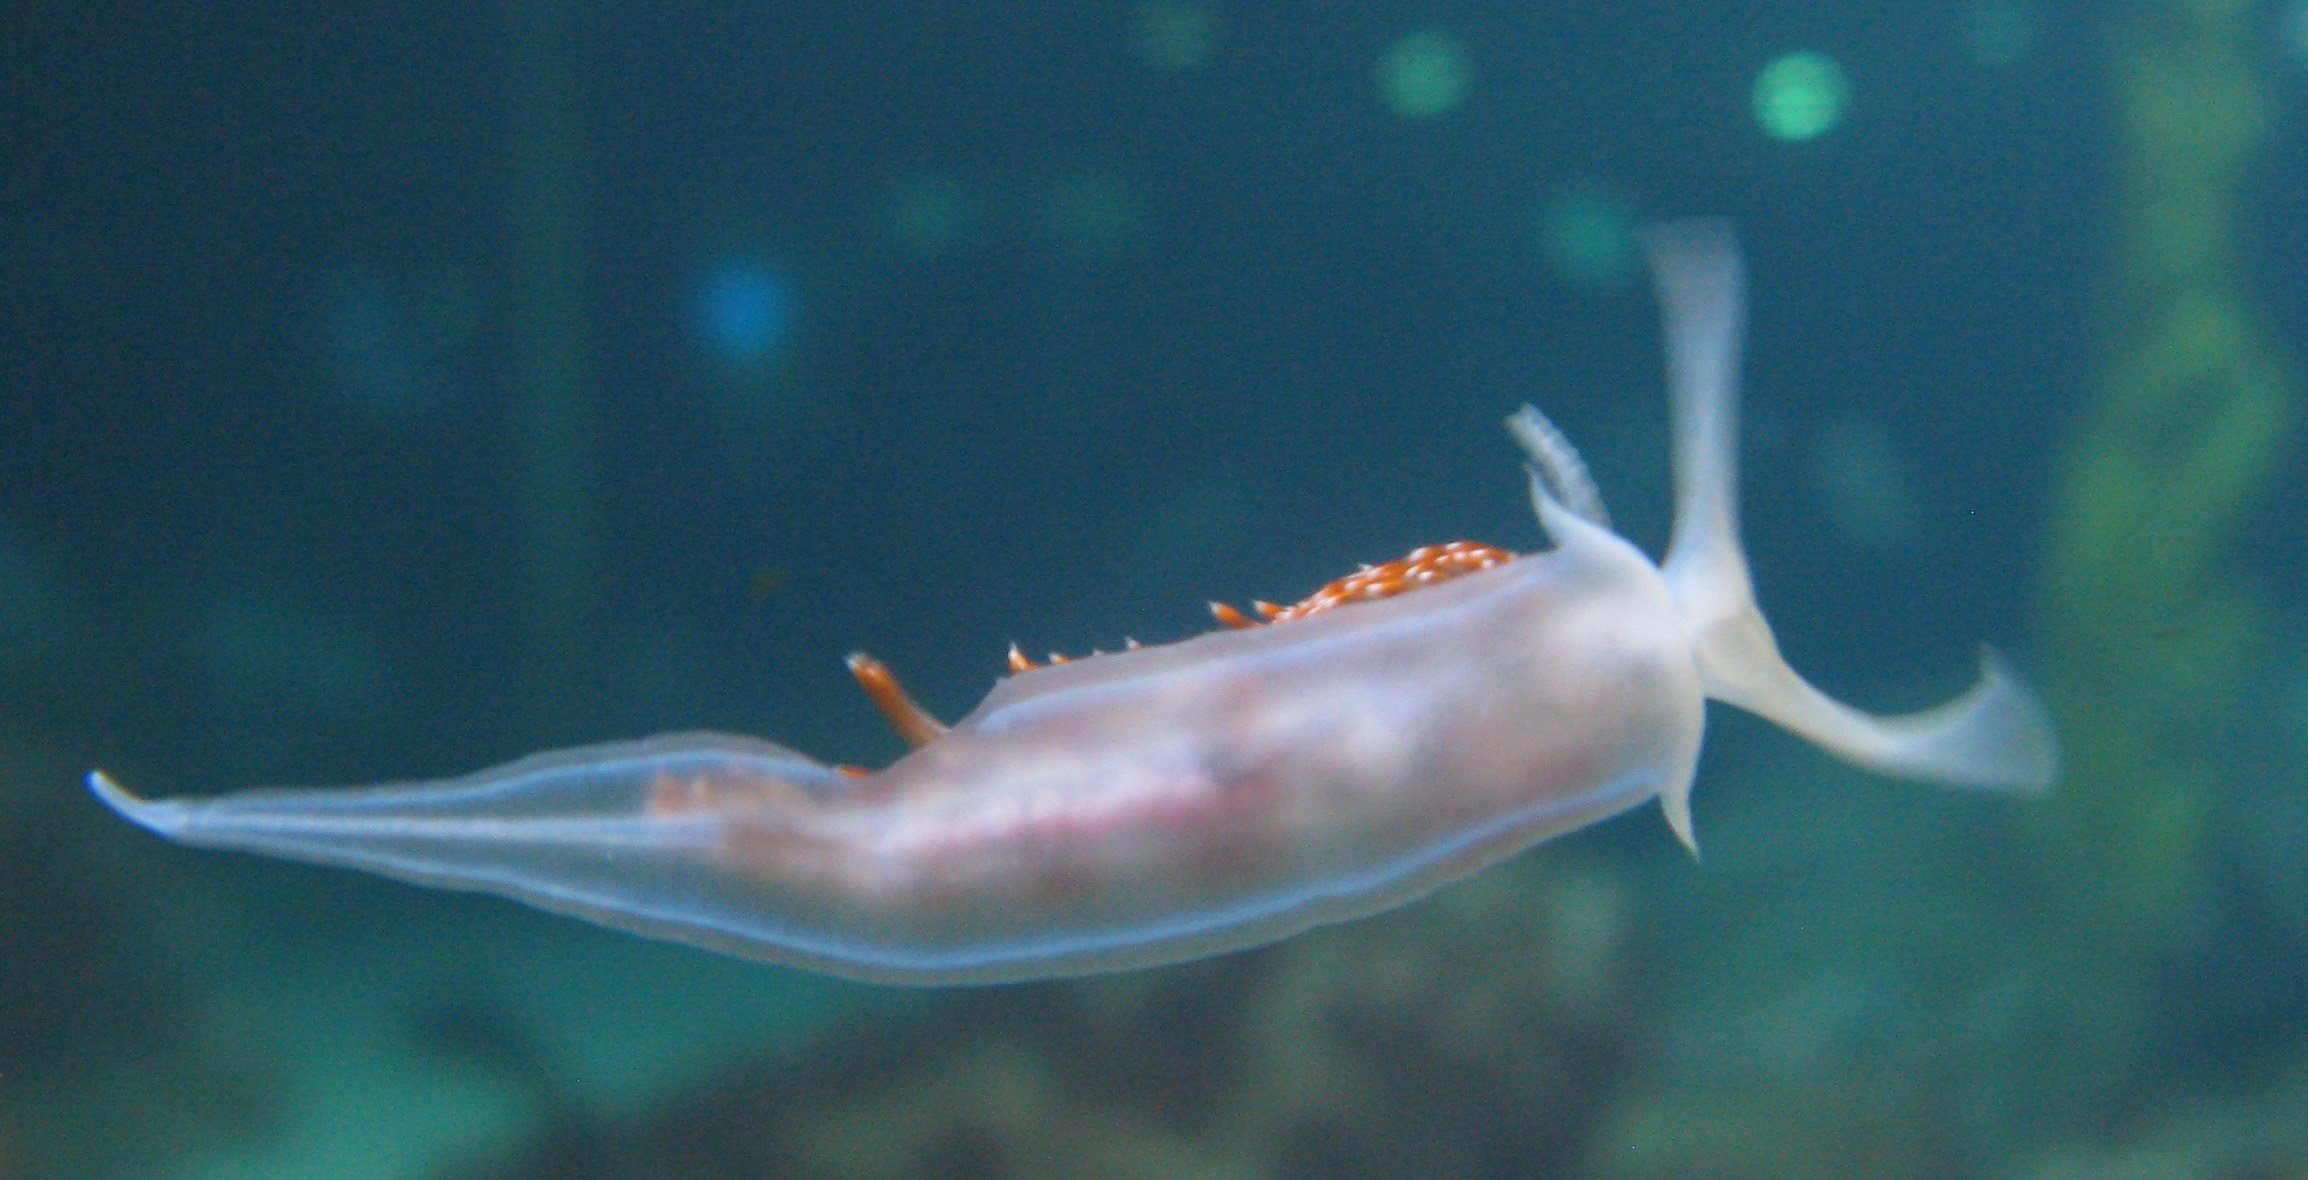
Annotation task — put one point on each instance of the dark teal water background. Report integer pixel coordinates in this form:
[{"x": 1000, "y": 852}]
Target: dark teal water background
[{"x": 390, "y": 390}]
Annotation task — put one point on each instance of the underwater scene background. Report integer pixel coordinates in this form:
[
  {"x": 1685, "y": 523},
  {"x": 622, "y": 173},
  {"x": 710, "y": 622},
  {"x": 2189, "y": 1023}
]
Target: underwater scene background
[{"x": 388, "y": 390}]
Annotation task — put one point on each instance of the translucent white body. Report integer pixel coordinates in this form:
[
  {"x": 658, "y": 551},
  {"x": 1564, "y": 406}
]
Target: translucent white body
[{"x": 1177, "y": 801}]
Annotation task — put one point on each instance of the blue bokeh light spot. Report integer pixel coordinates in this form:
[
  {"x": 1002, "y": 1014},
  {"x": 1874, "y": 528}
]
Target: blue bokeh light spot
[{"x": 746, "y": 311}]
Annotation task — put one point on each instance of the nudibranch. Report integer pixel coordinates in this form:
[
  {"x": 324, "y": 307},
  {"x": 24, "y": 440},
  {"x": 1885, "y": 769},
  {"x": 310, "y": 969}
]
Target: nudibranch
[{"x": 1410, "y": 725}]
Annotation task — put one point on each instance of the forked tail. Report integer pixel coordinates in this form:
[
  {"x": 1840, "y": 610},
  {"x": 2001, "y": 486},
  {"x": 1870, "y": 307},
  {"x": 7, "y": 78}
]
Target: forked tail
[{"x": 1995, "y": 736}]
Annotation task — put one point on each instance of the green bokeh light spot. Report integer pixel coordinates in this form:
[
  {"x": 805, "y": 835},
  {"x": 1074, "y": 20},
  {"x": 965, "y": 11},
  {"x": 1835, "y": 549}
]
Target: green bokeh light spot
[
  {"x": 1800, "y": 96},
  {"x": 1588, "y": 239},
  {"x": 1175, "y": 35},
  {"x": 1423, "y": 75}
]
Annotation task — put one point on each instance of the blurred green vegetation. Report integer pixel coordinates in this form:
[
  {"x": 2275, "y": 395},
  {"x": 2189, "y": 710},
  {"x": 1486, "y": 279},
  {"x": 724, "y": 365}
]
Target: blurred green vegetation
[{"x": 2150, "y": 645}]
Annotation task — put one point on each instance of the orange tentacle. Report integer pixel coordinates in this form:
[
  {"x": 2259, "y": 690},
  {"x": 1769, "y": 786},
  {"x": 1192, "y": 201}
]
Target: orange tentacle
[
  {"x": 913, "y": 723},
  {"x": 1230, "y": 617}
]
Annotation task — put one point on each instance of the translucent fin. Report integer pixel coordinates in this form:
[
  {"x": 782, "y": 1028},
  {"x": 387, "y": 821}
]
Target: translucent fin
[
  {"x": 1702, "y": 294},
  {"x": 1995, "y": 736}
]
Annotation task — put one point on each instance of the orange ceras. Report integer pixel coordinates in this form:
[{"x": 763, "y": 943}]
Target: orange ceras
[{"x": 1423, "y": 566}]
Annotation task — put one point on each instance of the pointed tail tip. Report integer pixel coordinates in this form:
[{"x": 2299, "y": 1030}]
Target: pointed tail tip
[
  {"x": 162, "y": 816},
  {"x": 1676, "y": 805},
  {"x": 2023, "y": 755},
  {"x": 112, "y": 793}
]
